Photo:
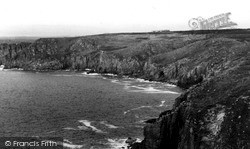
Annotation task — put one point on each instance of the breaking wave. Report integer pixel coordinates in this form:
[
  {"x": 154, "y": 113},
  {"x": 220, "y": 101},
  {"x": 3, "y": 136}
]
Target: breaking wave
[{"x": 87, "y": 124}]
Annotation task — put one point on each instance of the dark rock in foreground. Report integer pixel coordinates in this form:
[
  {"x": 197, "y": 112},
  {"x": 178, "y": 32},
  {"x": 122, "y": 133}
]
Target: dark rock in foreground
[{"x": 213, "y": 67}]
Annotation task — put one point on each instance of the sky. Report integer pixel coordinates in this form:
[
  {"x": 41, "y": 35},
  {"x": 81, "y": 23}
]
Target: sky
[{"x": 46, "y": 18}]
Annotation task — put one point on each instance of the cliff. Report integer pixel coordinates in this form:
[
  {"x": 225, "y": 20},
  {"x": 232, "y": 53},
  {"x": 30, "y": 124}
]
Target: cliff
[
  {"x": 10, "y": 54},
  {"x": 214, "y": 111},
  {"x": 213, "y": 67}
]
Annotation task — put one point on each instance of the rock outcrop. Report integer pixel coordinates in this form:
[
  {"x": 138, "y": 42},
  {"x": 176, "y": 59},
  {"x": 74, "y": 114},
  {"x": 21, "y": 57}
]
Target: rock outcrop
[
  {"x": 214, "y": 112},
  {"x": 11, "y": 54},
  {"x": 213, "y": 67}
]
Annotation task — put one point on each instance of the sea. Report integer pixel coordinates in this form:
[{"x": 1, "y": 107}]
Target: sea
[{"x": 89, "y": 111}]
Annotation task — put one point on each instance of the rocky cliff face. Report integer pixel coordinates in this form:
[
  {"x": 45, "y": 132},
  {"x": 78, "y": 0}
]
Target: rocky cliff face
[
  {"x": 211, "y": 114},
  {"x": 11, "y": 54},
  {"x": 213, "y": 67},
  {"x": 214, "y": 111}
]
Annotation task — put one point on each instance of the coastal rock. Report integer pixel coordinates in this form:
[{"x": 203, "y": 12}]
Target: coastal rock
[
  {"x": 11, "y": 54},
  {"x": 213, "y": 112}
]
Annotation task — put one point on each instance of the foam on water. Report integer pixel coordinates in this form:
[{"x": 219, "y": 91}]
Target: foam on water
[
  {"x": 120, "y": 82},
  {"x": 145, "y": 86},
  {"x": 137, "y": 116},
  {"x": 142, "y": 80},
  {"x": 141, "y": 122},
  {"x": 136, "y": 109},
  {"x": 139, "y": 126},
  {"x": 66, "y": 75},
  {"x": 69, "y": 145},
  {"x": 72, "y": 146},
  {"x": 1, "y": 67},
  {"x": 162, "y": 103},
  {"x": 108, "y": 125},
  {"x": 19, "y": 69},
  {"x": 155, "y": 82},
  {"x": 170, "y": 85},
  {"x": 141, "y": 88},
  {"x": 85, "y": 73},
  {"x": 91, "y": 74},
  {"x": 151, "y": 107},
  {"x": 110, "y": 74},
  {"x": 119, "y": 143},
  {"x": 116, "y": 81},
  {"x": 69, "y": 128},
  {"x": 88, "y": 124},
  {"x": 83, "y": 127},
  {"x": 67, "y": 141},
  {"x": 51, "y": 132},
  {"x": 150, "y": 90},
  {"x": 97, "y": 74}
]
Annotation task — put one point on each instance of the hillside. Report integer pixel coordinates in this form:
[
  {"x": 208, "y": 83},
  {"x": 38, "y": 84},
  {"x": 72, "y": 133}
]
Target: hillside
[
  {"x": 19, "y": 39},
  {"x": 213, "y": 67}
]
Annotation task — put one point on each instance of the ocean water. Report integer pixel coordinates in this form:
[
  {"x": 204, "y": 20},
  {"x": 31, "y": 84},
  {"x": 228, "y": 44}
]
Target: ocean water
[{"x": 90, "y": 111}]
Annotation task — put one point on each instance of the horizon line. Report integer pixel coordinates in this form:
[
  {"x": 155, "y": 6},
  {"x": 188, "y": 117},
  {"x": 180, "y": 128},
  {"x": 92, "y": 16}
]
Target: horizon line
[{"x": 155, "y": 31}]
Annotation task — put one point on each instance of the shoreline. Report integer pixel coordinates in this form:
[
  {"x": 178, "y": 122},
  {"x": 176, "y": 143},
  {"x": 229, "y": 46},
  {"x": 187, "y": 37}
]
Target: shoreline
[{"x": 92, "y": 72}]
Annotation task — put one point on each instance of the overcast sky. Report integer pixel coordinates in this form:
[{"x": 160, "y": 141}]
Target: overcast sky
[{"x": 82, "y": 17}]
